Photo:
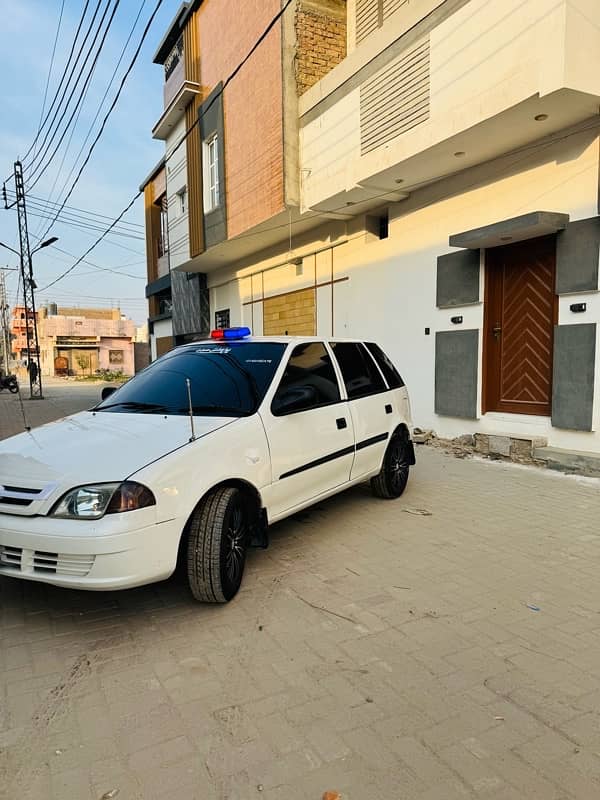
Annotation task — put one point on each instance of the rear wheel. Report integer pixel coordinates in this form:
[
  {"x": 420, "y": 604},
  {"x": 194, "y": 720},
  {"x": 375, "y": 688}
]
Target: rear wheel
[
  {"x": 218, "y": 534},
  {"x": 13, "y": 387},
  {"x": 393, "y": 476}
]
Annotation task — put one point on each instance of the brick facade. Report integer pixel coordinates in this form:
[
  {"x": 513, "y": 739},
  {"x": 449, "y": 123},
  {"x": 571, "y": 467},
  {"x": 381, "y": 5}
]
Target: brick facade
[
  {"x": 252, "y": 105},
  {"x": 321, "y": 35}
]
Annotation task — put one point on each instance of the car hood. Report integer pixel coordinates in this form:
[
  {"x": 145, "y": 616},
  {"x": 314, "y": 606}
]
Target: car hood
[{"x": 92, "y": 447}]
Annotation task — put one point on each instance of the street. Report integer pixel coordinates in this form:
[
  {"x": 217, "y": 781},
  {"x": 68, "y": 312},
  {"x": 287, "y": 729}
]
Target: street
[{"x": 441, "y": 646}]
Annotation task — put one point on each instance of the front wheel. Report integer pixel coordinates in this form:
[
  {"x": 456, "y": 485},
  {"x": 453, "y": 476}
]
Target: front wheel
[
  {"x": 393, "y": 476},
  {"x": 218, "y": 538},
  {"x": 13, "y": 387}
]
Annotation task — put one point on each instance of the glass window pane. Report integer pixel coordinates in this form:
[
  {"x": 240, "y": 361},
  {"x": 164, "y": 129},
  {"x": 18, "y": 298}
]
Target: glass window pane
[
  {"x": 360, "y": 374},
  {"x": 310, "y": 367},
  {"x": 390, "y": 373}
]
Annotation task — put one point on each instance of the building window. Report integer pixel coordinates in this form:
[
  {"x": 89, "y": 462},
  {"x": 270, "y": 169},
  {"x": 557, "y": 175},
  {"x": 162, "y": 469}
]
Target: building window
[
  {"x": 222, "y": 318},
  {"x": 182, "y": 202},
  {"x": 212, "y": 199},
  {"x": 116, "y": 357},
  {"x": 163, "y": 240}
]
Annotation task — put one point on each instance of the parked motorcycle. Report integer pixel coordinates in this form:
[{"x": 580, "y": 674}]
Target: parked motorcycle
[{"x": 9, "y": 382}]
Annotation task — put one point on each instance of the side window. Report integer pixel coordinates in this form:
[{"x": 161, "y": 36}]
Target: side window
[
  {"x": 390, "y": 373},
  {"x": 309, "y": 381},
  {"x": 360, "y": 374}
]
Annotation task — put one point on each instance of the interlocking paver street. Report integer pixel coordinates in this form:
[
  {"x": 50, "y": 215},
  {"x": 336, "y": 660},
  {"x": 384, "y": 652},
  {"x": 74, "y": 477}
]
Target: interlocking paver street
[{"x": 383, "y": 654}]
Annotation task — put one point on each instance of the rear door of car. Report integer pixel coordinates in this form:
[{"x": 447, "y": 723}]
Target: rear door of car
[
  {"x": 370, "y": 405},
  {"x": 311, "y": 444}
]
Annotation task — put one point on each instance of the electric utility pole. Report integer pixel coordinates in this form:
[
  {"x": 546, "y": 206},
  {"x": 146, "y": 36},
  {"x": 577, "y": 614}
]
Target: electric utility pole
[
  {"x": 4, "y": 322},
  {"x": 33, "y": 346}
]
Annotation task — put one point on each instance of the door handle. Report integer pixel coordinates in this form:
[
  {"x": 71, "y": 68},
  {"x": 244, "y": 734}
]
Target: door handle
[
  {"x": 388, "y": 409},
  {"x": 341, "y": 423},
  {"x": 496, "y": 331}
]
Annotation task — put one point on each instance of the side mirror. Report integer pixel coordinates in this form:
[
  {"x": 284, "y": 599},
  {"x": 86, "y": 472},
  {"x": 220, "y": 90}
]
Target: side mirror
[
  {"x": 107, "y": 391},
  {"x": 297, "y": 399}
]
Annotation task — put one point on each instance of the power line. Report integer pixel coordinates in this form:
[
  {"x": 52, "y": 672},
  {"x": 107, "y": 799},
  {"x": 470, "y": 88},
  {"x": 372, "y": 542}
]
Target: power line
[
  {"x": 100, "y": 105},
  {"x": 64, "y": 74},
  {"x": 95, "y": 244},
  {"x": 106, "y": 117},
  {"x": 232, "y": 75},
  {"x": 60, "y": 16},
  {"x": 38, "y": 170},
  {"x": 87, "y": 212}
]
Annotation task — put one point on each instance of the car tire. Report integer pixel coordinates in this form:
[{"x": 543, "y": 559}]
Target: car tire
[
  {"x": 218, "y": 533},
  {"x": 393, "y": 476}
]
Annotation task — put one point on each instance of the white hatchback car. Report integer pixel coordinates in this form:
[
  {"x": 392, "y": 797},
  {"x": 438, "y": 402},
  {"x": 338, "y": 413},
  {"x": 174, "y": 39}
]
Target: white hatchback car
[{"x": 195, "y": 456}]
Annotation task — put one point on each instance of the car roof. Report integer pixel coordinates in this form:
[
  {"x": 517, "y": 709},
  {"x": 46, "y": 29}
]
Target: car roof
[{"x": 275, "y": 339}]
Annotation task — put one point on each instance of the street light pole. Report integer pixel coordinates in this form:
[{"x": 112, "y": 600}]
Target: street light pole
[{"x": 29, "y": 286}]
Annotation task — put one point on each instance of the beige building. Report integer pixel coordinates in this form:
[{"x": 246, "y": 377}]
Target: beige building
[{"x": 80, "y": 341}]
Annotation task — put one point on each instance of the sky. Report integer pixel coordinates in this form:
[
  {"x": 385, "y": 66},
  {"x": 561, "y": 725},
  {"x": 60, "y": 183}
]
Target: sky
[{"x": 123, "y": 157}]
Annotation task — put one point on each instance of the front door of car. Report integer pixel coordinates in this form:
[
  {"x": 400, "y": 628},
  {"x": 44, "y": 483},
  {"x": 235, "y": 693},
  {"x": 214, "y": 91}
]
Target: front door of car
[
  {"x": 309, "y": 430},
  {"x": 371, "y": 405}
]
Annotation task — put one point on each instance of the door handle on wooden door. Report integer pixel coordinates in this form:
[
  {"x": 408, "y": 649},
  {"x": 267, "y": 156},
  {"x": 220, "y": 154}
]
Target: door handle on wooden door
[{"x": 496, "y": 331}]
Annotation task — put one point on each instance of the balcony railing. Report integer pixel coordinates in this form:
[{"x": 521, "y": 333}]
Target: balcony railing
[
  {"x": 174, "y": 72},
  {"x": 174, "y": 58}
]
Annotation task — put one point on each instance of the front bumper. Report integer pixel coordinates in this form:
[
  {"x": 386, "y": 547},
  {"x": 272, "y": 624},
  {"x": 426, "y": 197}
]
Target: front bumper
[{"x": 103, "y": 555}]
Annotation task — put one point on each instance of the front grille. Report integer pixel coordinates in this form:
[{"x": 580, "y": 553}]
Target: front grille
[
  {"x": 23, "y": 496},
  {"x": 10, "y": 556},
  {"x": 62, "y": 563}
]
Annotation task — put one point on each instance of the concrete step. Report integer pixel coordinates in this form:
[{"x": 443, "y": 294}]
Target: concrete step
[
  {"x": 574, "y": 461},
  {"x": 515, "y": 446}
]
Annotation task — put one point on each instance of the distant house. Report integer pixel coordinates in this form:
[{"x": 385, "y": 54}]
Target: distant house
[{"x": 78, "y": 341}]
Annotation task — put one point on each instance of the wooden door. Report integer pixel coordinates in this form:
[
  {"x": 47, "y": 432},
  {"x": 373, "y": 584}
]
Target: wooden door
[
  {"x": 521, "y": 309},
  {"x": 290, "y": 314}
]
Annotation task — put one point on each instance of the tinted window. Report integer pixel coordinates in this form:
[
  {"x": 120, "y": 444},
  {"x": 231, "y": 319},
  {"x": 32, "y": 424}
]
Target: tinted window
[
  {"x": 229, "y": 378},
  {"x": 360, "y": 374},
  {"x": 390, "y": 373},
  {"x": 309, "y": 377}
]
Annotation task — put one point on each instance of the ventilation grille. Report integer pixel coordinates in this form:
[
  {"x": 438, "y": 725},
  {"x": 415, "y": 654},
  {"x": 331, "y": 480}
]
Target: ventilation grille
[
  {"x": 391, "y": 6},
  {"x": 10, "y": 557},
  {"x": 396, "y": 99},
  {"x": 18, "y": 495},
  {"x": 61, "y": 564},
  {"x": 40, "y": 561},
  {"x": 367, "y": 18},
  {"x": 371, "y": 14}
]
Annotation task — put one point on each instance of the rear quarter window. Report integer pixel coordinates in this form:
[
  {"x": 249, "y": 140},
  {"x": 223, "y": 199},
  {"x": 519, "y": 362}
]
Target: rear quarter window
[
  {"x": 360, "y": 374},
  {"x": 390, "y": 373}
]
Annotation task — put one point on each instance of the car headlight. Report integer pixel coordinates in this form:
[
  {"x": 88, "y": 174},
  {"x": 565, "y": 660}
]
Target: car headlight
[{"x": 96, "y": 500}]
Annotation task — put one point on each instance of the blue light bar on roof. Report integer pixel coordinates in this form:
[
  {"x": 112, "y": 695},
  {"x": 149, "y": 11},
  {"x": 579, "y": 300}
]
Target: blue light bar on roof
[{"x": 231, "y": 333}]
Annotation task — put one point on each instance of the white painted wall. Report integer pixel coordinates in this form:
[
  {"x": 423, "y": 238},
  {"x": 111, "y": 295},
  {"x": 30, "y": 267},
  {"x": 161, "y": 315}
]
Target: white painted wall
[{"x": 391, "y": 291}]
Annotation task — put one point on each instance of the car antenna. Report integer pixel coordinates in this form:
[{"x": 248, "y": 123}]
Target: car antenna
[
  {"x": 189, "y": 392},
  {"x": 25, "y": 423}
]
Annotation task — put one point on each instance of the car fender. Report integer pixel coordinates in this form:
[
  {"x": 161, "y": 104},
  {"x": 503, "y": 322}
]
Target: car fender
[{"x": 236, "y": 452}]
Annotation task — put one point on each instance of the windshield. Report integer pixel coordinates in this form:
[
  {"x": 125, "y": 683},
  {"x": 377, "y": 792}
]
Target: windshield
[{"x": 228, "y": 379}]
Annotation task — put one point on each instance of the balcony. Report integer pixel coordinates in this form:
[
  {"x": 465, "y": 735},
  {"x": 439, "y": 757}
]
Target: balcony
[
  {"x": 443, "y": 86},
  {"x": 177, "y": 92}
]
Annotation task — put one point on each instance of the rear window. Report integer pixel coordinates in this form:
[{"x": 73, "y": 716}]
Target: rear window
[
  {"x": 390, "y": 373},
  {"x": 359, "y": 372}
]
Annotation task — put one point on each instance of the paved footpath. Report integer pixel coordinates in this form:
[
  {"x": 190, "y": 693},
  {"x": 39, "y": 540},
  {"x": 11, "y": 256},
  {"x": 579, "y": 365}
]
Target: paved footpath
[{"x": 376, "y": 651}]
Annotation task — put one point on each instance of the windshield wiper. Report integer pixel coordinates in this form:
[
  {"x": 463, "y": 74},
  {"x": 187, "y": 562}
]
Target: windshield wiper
[{"x": 134, "y": 406}]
